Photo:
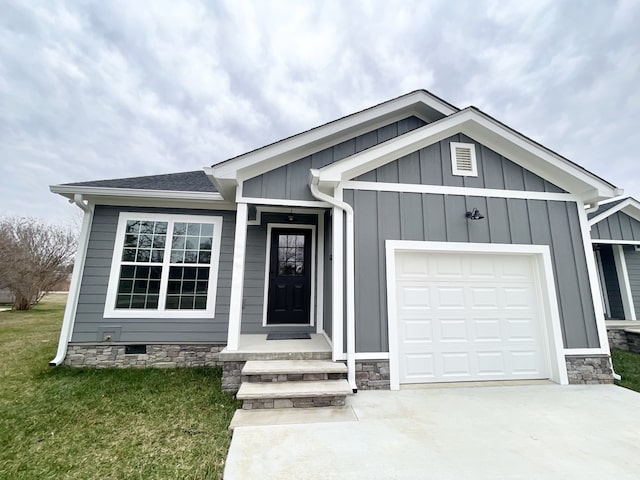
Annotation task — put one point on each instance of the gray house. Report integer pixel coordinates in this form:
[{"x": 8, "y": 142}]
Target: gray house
[
  {"x": 615, "y": 233},
  {"x": 411, "y": 242}
]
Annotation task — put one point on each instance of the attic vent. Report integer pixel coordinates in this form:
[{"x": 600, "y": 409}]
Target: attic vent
[{"x": 463, "y": 159}]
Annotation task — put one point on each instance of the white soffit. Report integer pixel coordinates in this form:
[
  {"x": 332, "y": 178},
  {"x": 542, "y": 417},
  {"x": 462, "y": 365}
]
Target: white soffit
[
  {"x": 419, "y": 103},
  {"x": 488, "y": 132}
]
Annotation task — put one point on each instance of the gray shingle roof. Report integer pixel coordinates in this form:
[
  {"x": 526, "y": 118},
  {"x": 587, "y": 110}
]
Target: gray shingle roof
[
  {"x": 605, "y": 207},
  {"x": 195, "y": 181}
]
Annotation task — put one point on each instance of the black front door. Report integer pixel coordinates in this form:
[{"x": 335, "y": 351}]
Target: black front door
[{"x": 289, "y": 276}]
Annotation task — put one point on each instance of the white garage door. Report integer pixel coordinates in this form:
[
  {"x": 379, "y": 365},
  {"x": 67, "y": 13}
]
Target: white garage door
[{"x": 469, "y": 317}]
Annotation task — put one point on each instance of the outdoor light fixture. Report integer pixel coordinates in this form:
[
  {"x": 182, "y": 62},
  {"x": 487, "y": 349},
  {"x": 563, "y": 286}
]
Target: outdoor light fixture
[{"x": 474, "y": 215}]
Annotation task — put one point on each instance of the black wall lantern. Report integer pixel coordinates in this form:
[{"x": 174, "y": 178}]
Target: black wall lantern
[{"x": 474, "y": 215}]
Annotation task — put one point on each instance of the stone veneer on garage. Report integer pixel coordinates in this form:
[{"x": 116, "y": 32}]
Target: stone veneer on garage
[
  {"x": 589, "y": 369},
  {"x": 158, "y": 355}
]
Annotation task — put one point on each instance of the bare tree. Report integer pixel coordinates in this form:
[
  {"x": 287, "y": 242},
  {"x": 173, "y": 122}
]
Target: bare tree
[{"x": 34, "y": 256}]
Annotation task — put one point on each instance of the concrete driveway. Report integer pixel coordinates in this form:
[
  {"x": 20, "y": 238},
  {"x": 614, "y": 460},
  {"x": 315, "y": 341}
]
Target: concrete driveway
[{"x": 542, "y": 431}]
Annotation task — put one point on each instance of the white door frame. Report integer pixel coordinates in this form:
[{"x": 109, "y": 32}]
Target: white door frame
[
  {"x": 547, "y": 293},
  {"x": 312, "y": 293}
]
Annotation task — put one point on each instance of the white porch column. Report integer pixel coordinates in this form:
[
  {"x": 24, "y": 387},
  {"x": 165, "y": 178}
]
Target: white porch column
[
  {"x": 237, "y": 277},
  {"x": 623, "y": 280},
  {"x": 337, "y": 298}
]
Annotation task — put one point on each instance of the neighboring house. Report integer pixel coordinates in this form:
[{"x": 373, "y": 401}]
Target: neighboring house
[
  {"x": 615, "y": 234},
  {"x": 415, "y": 241}
]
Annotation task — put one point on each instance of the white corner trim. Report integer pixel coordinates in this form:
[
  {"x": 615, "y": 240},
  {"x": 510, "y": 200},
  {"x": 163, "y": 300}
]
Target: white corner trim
[
  {"x": 237, "y": 278},
  {"x": 623, "y": 280},
  {"x": 68, "y": 321},
  {"x": 464, "y": 191},
  {"x": 542, "y": 254},
  {"x": 265, "y": 303},
  {"x": 455, "y": 168},
  {"x": 594, "y": 284},
  {"x": 114, "y": 276}
]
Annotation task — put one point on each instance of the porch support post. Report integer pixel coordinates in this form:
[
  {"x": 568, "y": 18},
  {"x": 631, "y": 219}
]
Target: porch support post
[
  {"x": 623, "y": 280},
  {"x": 237, "y": 277}
]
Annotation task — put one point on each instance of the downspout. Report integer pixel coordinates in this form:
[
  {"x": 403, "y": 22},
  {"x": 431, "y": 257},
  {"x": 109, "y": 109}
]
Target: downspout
[
  {"x": 350, "y": 275},
  {"x": 74, "y": 287}
]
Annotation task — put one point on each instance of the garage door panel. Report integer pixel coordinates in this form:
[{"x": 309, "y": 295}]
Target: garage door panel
[{"x": 469, "y": 317}]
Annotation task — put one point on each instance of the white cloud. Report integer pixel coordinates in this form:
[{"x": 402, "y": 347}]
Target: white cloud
[{"x": 111, "y": 89}]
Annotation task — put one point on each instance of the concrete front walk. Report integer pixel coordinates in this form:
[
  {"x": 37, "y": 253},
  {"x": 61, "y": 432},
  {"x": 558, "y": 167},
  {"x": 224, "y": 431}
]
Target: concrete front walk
[{"x": 543, "y": 431}]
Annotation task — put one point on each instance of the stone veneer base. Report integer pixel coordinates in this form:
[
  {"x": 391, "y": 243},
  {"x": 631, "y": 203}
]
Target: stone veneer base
[
  {"x": 628, "y": 340},
  {"x": 158, "y": 355},
  {"x": 589, "y": 369}
]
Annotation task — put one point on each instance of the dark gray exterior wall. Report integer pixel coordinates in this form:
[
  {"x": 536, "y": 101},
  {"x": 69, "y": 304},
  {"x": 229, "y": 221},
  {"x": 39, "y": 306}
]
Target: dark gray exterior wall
[
  {"x": 328, "y": 275},
  {"x": 432, "y": 166},
  {"x": 632, "y": 259},
  {"x": 254, "y": 273},
  {"x": 292, "y": 181},
  {"x": 381, "y": 216},
  {"x": 612, "y": 286},
  {"x": 618, "y": 226},
  {"x": 89, "y": 322}
]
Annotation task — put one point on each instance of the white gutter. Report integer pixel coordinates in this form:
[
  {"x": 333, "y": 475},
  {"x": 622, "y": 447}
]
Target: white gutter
[
  {"x": 74, "y": 288},
  {"x": 350, "y": 275}
]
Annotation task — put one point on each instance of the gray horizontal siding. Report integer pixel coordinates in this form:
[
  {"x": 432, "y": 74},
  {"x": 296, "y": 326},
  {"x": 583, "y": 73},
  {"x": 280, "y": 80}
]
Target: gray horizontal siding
[
  {"x": 292, "y": 181},
  {"x": 254, "y": 272},
  {"x": 381, "y": 216},
  {"x": 612, "y": 286},
  {"x": 632, "y": 259},
  {"x": 618, "y": 226},
  {"x": 432, "y": 166},
  {"x": 95, "y": 279}
]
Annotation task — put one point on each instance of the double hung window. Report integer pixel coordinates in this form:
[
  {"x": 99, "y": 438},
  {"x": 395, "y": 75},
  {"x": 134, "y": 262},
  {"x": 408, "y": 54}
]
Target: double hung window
[{"x": 164, "y": 266}]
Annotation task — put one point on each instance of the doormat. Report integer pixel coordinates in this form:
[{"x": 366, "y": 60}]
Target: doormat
[{"x": 288, "y": 336}]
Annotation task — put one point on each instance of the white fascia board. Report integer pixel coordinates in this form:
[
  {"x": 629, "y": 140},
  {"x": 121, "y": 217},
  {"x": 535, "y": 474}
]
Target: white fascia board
[
  {"x": 146, "y": 198},
  {"x": 70, "y": 190},
  {"x": 314, "y": 140},
  {"x": 630, "y": 206},
  {"x": 489, "y": 133}
]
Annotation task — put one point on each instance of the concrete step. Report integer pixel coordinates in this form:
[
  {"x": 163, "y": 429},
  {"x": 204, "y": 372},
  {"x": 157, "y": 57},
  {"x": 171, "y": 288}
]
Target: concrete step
[
  {"x": 291, "y": 416},
  {"x": 292, "y": 367},
  {"x": 289, "y": 390}
]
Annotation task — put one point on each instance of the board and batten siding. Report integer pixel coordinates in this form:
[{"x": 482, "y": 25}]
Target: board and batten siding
[
  {"x": 612, "y": 286},
  {"x": 632, "y": 259},
  {"x": 254, "y": 272},
  {"x": 431, "y": 165},
  {"x": 381, "y": 216},
  {"x": 291, "y": 181},
  {"x": 89, "y": 322},
  {"x": 618, "y": 226}
]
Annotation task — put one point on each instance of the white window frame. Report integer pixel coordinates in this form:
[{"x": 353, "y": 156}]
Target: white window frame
[
  {"x": 454, "y": 164},
  {"x": 114, "y": 276}
]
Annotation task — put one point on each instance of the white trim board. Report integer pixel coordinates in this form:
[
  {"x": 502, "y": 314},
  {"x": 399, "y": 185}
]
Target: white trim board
[
  {"x": 312, "y": 293},
  {"x": 465, "y": 191},
  {"x": 616, "y": 242},
  {"x": 553, "y": 332},
  {"x": 630, "y": 206}
]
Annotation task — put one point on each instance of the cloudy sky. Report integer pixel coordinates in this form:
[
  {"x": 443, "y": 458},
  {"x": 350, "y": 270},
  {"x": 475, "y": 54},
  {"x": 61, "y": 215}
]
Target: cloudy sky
[{"x": 105, "y": 89}]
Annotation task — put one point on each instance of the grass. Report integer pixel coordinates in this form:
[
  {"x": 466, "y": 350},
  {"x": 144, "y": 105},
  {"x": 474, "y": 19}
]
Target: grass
[
  {"x": 627, "y": 365},
  {"x": 72, "y": 423}
]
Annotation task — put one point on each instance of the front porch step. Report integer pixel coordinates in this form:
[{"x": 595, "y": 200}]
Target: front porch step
[
  {"x": 293, "y": 367},
  {"x": 324, "y": 393}
]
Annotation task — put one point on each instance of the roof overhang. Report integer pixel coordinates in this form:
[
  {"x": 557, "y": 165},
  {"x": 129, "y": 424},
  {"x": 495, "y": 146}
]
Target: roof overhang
[
  {"x": 630, "y": 206},
  {"x": 143, "y": 197},
  {"x": 489, "y": 132},
  {"x": 230, "y": 173}
]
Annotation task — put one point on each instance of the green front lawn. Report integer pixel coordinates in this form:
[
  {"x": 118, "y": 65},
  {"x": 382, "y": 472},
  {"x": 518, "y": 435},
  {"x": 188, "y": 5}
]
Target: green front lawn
[
  {"x": 69, "y": 423},
  {"x": 627, "y": 365}
]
